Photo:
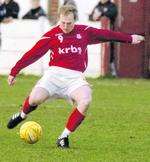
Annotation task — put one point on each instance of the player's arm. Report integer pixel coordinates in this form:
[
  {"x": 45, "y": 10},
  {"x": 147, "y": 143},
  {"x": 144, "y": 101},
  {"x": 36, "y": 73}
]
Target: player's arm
[
  {"x": 40, "y": 48},
  {"x": 101, "y": 35}
]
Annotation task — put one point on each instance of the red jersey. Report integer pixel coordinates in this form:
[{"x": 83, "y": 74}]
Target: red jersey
[{"x": 68, "y": 50}]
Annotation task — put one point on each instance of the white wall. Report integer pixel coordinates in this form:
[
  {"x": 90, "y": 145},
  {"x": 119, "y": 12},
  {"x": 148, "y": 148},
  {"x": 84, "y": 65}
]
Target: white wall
[{"x": 17, "y": 38}]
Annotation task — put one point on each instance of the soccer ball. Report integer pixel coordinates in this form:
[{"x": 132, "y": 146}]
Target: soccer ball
[{"x": 30, "y": 132}]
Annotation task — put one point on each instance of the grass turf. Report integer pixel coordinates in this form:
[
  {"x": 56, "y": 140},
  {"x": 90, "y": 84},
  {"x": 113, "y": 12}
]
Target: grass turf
[{"x": 117, "y": 127}]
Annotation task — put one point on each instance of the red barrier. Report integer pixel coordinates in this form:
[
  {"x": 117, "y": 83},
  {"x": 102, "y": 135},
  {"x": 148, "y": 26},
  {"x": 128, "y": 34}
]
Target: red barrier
[
  {"x": 105, "y": 49},
  {"x": 133, "y": 17}
]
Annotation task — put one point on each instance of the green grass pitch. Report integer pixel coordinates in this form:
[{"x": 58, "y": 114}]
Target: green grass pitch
[{"x": 116, "y": 129}]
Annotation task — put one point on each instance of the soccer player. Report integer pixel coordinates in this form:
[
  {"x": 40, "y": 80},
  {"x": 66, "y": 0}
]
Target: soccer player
[{"x": 64, "y": 77}]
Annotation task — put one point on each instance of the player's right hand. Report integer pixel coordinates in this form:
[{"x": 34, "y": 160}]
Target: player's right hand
[
  {"x": 11, "y": 80},
  {"x": 137, "y": 38}
]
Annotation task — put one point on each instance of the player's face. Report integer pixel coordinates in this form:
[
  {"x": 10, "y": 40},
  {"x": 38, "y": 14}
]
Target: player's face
[
  {"x": 66, "y": 22},
  {"x": 103, "y": 1}
]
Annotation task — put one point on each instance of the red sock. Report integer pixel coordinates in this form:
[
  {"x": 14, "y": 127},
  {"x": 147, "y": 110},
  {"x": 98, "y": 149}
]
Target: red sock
[
  {"x": 27, "y": 108},
  {"x": 74, "y": 120}
]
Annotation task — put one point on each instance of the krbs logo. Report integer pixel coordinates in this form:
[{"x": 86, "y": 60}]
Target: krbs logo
[{"x": 71, "y": 49}]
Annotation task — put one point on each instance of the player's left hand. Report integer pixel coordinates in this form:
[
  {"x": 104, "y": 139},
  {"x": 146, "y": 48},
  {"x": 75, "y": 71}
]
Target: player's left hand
[
  {"x": 137, "y": 38},
  {"x": 11, "y": 80}
]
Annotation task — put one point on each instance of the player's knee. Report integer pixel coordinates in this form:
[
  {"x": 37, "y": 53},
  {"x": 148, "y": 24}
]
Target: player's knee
[
  {"x": 85, "y": 102},
  {"x": 38, "y": 96},
  {"x": 35, "y": 100}
]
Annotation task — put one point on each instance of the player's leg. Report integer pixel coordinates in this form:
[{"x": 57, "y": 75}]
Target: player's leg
[
  {"x": 82, "y": 97},
  {"x": 36, "y": 97}
]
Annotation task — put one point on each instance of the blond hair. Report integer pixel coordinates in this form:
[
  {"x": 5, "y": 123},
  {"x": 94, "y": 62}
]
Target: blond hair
[{"x": 67, "y": 9}]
